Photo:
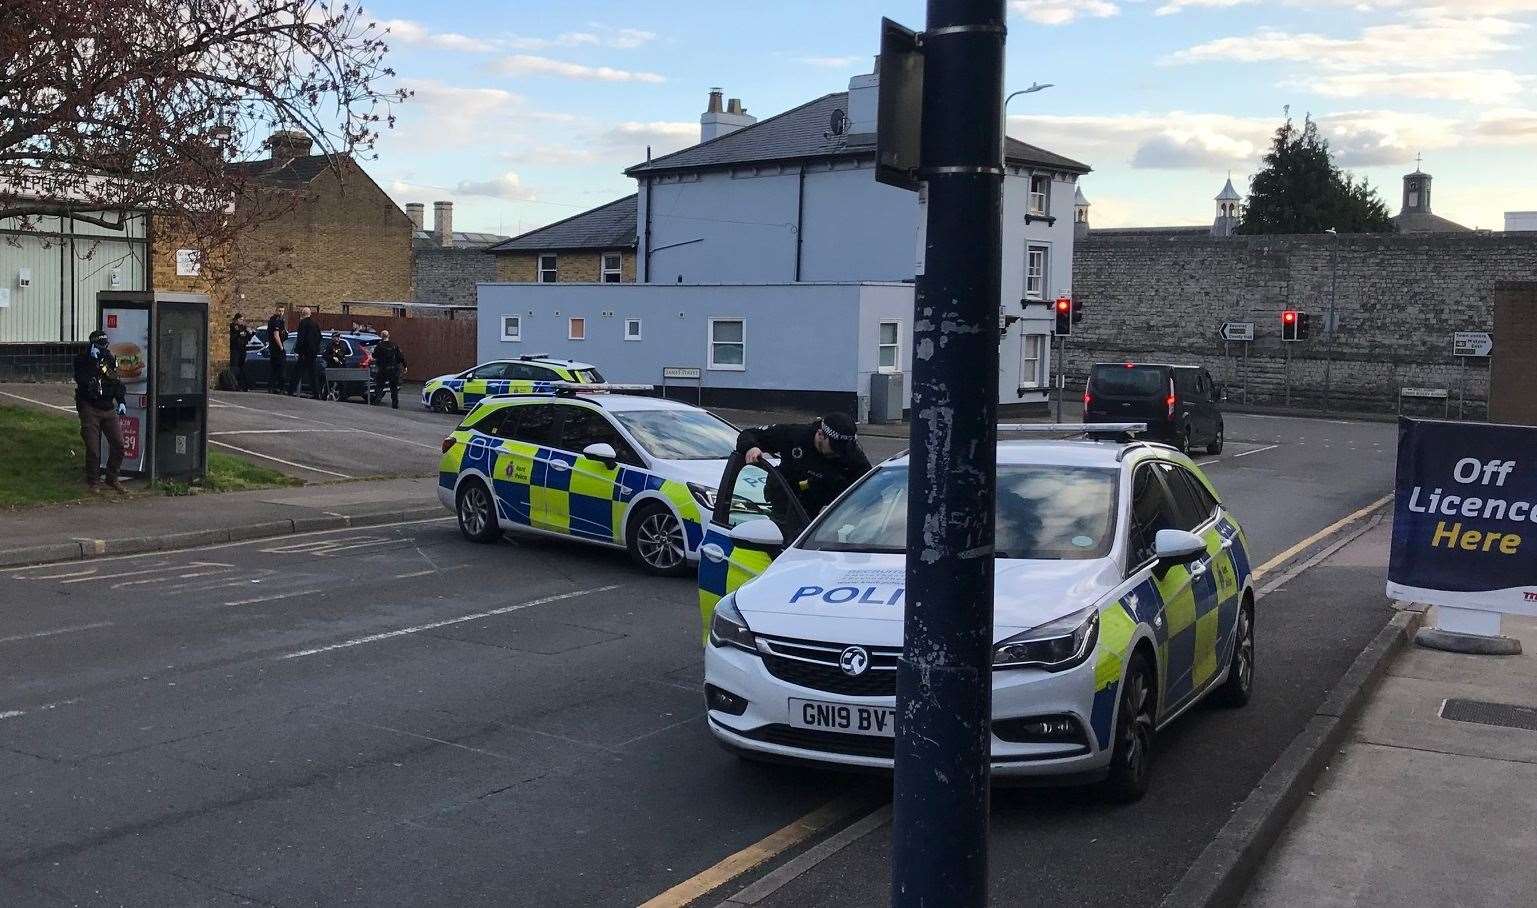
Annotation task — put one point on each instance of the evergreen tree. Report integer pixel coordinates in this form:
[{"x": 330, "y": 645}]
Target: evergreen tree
[{"x": 1301, "y": 191}]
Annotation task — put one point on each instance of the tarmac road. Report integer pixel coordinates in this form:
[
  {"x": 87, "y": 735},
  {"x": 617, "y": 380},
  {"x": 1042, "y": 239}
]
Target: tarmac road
[{"x": 393, "y": 715}]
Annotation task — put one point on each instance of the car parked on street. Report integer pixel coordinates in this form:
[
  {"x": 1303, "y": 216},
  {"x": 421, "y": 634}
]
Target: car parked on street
[
  {"x": 1181, "y": 405},
  {"x": 535, "y": 372},
  {"x": 1124, "y": 597},
  {"x": 360, "y": 346}
]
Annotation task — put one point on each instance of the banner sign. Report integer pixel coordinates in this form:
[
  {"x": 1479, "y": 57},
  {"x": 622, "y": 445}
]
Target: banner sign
[
  {"x": 128, "y": 340},
  {"x": 1465, "y": 516}
]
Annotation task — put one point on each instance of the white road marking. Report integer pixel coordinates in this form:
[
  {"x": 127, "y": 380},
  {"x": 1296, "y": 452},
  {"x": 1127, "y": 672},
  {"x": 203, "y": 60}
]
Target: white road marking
[
  {"x": 14, "y": 713},
  {"x": 56, "y": 631},
  {"x": 374, "y": 638},
  {"x": 59, "y": 576},
  {"x": 40, "y": 404},
  {"x": 154, "y": 570},
  {"x": 419, "y": 444},
  {"x": 1257, "y": 450},
  {"x": 301, "y": 466},
  {"x": 187, "y": 576},
  {"x": 327, "y": 547},
  {"x": 275, "y": 431},
  {"x": 273, "y": 598},
  {"x": 423, "y": 574}
]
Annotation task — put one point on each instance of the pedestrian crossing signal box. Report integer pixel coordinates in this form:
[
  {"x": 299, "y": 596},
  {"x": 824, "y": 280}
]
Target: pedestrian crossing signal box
[{"x": 160, "y": 342}]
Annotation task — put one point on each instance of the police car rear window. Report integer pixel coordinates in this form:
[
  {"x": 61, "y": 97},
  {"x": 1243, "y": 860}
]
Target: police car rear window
[
  {"x": 679, "y": 434},
  {"x": 1043, "y": 512},
  {"x": 1123, "y": 381}
]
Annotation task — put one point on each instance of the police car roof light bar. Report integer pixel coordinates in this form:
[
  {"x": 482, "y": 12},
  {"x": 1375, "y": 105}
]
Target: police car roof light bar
[
  {"x": 567, "y": 388},
  {"x": 528, "y": 356},
  {"x": 1092, "y": 429}
]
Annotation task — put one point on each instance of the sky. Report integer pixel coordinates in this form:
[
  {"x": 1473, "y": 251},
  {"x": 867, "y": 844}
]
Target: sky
[{"x": 528, "y": 111}]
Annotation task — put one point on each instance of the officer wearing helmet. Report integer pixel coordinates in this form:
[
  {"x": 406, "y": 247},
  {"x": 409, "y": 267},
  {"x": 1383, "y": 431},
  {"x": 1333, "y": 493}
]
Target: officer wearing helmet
[{"x": 819, "y": 460}]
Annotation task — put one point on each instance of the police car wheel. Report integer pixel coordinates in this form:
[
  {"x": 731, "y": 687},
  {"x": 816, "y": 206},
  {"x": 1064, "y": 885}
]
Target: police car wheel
[
  {"x": 477, "y": 513},
  {"x": 656, "y": 541},
  {"x": 443, "y": 402},
  {"x": 1215, "y": 447},
  {"x": 1131, "y": 761},
  {"x": 1235, "y": 691}
]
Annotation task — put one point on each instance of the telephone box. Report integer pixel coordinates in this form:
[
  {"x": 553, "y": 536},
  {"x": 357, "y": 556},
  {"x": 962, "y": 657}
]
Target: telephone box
[{"x": 160, "y": 340}]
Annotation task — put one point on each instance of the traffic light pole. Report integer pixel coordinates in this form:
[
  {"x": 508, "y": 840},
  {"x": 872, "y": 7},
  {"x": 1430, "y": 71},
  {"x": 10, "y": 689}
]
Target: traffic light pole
[{"x": 944, "y": 678}]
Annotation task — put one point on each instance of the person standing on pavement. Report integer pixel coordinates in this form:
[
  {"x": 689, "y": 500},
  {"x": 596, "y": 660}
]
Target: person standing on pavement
[
  {"x": 239, "y": 337},
  {"x": 392, "y": 365},
  {"x": 818, "y": 460},
  {"x": 277, "y": 359},
  {"x": 100, "y": 399},
  {"x": 307, "y": 350}
]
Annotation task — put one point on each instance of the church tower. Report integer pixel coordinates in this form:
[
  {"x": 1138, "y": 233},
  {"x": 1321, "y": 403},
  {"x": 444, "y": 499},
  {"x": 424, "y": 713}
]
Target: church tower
[
  {"x": 1228, "y": 202},
  {"x": 1080, "y": 214}
]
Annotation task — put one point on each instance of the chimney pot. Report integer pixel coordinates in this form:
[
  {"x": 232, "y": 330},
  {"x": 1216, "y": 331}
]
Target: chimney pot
[
  {"x": 443, "y": 223},
  {"x": 734, "y": 106},
  {"x": 287, "y": 144},
  {"x": 416, "y": 211},
  {"x": 716, "y": 95}
]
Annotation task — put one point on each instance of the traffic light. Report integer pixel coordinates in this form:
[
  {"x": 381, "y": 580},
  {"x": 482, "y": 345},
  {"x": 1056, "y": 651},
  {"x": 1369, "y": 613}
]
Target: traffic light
[
  {"x": 1290, "y": 324},
  {"x": 1303, "y": 332},
  {"x": 1077, "y": 311},
  {"x": 1063, "y": 307}
]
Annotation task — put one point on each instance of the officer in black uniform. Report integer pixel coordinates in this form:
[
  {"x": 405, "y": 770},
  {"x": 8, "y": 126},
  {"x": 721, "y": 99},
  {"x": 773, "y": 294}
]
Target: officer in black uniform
[
  {"x": 391, "y": 361},
  {"x": 277, "y": 358},
  {"x": 239, "y": 336},
  {"x": 99, "y": 399},
  {"x": 818, "y": 460}
]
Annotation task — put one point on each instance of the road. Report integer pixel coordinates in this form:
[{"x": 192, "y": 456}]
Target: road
[{"x": 396, "y": 716}]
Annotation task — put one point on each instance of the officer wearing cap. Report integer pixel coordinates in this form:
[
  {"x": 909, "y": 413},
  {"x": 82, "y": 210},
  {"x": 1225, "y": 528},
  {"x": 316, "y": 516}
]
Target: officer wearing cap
[
  {"x": 99, "y": 399},
  {"x": 818, "y": 460}
]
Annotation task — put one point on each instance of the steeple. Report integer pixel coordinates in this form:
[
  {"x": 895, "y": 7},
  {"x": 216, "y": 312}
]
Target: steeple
[
  {"x": 1229, "y": 204},
  {"x": 1080, "y": 214}
]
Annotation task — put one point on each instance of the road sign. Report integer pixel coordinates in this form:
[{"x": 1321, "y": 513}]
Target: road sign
[
  {"x": 899, "y": 107},
  {"x": 690, "y": 373},
  {"x": 1238, "y": 331},
  {"x": 1472, "y": 343}
]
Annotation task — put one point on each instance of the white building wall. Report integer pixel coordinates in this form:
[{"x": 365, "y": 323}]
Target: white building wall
[
  {"x": 69, "y": 261},
  {"x": 856, "y": 229}
]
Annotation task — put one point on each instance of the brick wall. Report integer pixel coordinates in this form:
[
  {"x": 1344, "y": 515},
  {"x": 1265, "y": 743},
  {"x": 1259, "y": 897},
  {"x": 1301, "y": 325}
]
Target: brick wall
[
  {"x": 1513, "y": 389},
  {"x": 1399, "y": 299},
  {"x": 580, "y": 266},
  {"x": 448, "y": 276}
]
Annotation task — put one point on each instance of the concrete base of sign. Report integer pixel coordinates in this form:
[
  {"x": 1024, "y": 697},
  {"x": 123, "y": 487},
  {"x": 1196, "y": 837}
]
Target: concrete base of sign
[{"x": 1461, "y": 630}]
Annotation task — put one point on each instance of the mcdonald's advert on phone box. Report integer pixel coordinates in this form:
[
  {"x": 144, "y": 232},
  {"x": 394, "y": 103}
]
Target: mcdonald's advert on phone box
[{"x": 1465, "y": 516}]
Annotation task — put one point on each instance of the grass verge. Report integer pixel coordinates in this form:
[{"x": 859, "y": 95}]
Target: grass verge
[{"x": 42, "y": 463}]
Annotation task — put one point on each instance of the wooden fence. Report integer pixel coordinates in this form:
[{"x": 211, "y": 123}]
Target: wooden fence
[{"x": 433, "y": 346}]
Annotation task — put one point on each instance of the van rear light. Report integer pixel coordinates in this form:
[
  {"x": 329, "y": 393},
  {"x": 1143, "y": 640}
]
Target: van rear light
[
  {"x": 1087, "y": 399},
  {"x": 1171, "y": 401},
  {"x": 448, "y": 443}
]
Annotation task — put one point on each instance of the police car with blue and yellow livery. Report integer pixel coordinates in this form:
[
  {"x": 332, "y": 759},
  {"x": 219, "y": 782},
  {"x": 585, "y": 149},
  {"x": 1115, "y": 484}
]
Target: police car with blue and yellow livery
[
  {"x": 583, "y": 462},
  {"x": 535, "y": 373},
  {"x": 1123, "y": 597}
]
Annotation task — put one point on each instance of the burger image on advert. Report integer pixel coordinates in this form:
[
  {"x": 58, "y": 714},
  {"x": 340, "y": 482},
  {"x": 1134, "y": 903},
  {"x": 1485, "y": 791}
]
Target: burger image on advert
[{"x": 130, "y": 360}]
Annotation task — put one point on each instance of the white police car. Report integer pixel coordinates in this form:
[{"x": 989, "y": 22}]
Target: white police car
[{"x": 1123, "y": 597}]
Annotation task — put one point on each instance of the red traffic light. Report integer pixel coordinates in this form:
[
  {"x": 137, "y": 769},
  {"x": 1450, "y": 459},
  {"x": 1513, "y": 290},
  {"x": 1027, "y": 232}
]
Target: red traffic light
[
  {"x": 1064, "y": 304},
  {"x": 1289, "y": 316}
]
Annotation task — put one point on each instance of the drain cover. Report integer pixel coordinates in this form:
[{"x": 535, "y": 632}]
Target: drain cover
[{"x": 1507, "y": 715}]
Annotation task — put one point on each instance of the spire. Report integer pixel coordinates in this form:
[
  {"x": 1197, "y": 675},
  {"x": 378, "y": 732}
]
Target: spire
[
  {"x": 1080, "y": 212},
  {"x": 1228, "y": 193}
]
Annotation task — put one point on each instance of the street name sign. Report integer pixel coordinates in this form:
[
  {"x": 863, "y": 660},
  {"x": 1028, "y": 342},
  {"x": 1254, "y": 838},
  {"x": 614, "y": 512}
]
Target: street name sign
[
  {"x": 1472, "y": 343},
  {"x": 1238, "y": 331},
  {"x": 688, "y": 373}
]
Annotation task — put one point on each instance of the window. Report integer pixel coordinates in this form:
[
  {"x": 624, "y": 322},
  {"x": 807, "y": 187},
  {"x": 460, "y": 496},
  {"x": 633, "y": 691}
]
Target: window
[
  {"x": 512, "y": 328},
  {"x": 1040, "y": 194},
  {"x": 580, "y": 427},
  {"x": 680, "y": 434},
  {"x": 1035, "y": 272},
  {"x": 489, "y": 370},
  {"x": 1032, "y": 347},
  {"x": 1151, "y": 511},
  {"x": 549, "y": 270},
  {"x": 1196, "y": 503},
  {"x": 889, "y": 358},
  {"x": 534, "y": 424},
  {"x": 728, "y": 344},
  {"x": 526, "y": 372},
  {"x": 632, "y": 329},
  {"x": 613, "y": 267},
  {"x": 576, "y": 329}
]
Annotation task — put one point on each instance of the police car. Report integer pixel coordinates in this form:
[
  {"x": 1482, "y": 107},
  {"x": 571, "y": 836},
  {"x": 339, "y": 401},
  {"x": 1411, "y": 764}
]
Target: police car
[
  {"x": 1123, "y": 597},
  {"x": 526, "y": 374},
  {"x": 607, "y": 468}
]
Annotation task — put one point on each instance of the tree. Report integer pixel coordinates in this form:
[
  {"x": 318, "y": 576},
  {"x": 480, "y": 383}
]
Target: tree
[
  {"x": 113, "y": 106},
  {"x": 1301, "y": 191}
]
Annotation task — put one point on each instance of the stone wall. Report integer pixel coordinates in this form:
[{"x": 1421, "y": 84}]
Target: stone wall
[
  {"x": 1398, "y": 299},
  {"x": 449, "y": 276},
  {"x": 1513, "y": 382},
  {"x": 577, "y": 267}
]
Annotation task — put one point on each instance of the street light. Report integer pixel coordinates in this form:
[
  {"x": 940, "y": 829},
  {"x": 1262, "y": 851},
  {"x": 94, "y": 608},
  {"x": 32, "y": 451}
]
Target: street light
[{"x": 1034, "y": 87}]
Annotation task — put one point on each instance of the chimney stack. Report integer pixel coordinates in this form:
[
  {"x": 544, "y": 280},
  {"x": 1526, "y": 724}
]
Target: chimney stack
[
  {"x": 717, "y": 122},
  {"x": 287, "y": 144},
  {"x": 443, "y": 223},
  {"x": 715, "y": 96},
  {"x": 416, "y": 211},
  {"x": 734, "y": 106}
]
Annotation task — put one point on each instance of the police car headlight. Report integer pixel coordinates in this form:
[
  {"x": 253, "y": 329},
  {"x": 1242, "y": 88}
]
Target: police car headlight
[
  {"x": 1054, "y": 646},
  {"x": 704, "y": 495},
  {"x": 729, "y": 628}
]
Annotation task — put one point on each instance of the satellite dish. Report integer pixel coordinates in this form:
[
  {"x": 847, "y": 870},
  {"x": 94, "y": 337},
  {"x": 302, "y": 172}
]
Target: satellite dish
[{"x": 839, "y": 123}]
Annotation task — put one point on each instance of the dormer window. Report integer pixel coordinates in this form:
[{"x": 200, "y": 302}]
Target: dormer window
[{"x": 1040, "y": 194}]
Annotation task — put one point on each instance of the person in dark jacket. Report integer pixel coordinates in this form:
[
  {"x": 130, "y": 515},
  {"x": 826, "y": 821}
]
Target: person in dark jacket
[
  {"x": 239, "y": 337},
  {"x": 100, "y": 400},
  {"x": 307, "y": 352},
  {"x": 391, "y": 361},
  {"x": 818, "y": 460},
  {"x": 336, "y": 352},
  {"x": 277, "y": 359}
]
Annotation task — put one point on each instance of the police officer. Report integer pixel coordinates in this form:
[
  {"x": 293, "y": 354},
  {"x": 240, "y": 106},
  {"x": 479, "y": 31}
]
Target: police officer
[
  {"x": 819, "y": 460},
  {"x": 99, "y": 399},
  {"x": 307, "y": 350},
  {"x": 277, "y": 359},
  {"x": 239, "y": 336},
  {"x": 392, "y": 365}
]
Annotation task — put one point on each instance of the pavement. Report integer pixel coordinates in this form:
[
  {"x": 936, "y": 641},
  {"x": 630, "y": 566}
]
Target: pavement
[
  {"x": 1418, "y": 808},
  {"x": 389, "y": 714}
]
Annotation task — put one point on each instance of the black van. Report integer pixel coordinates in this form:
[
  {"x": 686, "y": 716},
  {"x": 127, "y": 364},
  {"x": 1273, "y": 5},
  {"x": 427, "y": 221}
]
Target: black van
[{"x": 1180, "y": 404}]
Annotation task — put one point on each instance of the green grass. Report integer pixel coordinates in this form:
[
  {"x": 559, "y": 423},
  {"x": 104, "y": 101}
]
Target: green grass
[{"x": 42, "y": 463}]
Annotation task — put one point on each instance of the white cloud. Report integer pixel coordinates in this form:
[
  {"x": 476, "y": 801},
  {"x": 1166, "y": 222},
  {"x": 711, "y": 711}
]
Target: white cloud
[
  {"x": 442, "y": 113},
  {"x": 664, "y": 137},
  {"x": 1178, "y": 6},
  {"x": 508, "y": 186},
  {"x": 530, "y": 65},
  {"x": 1479, "y": 86},
  {"x": 845, "y": 63},
  {"x": 1369, "y": 138},
  {"x": 1507, "y": 126},
  {"x": 1429, "y": 40},
  {"x": 1061, "y": 12},
  {"x": 631, "y": 37},
  {"x": 623, "y": 38},
  {"x": 406, "y": 31}
]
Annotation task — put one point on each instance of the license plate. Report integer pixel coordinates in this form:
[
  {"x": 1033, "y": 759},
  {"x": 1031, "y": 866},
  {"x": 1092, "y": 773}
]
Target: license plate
[{"x": 848, "y": 718}]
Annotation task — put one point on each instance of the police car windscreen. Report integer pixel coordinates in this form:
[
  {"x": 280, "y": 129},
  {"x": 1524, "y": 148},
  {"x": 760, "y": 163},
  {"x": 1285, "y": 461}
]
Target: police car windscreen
[
  {"x": 1124, "y": 381},
  {"x": 590, "y": 376},
  {"x": 680, "y": 434},
  {"x": 1043, "y": 512}
]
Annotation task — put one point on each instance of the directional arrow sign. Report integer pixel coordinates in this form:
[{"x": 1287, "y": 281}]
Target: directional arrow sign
[
  {"x": 1472, "y": 343},
  {"x": 1238, "y": 331}
]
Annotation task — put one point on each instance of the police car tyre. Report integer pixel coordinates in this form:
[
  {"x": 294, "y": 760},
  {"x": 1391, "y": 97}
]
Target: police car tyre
[
  {"x": 477, "y": 512},
  {"x": 656, "y": 541},
  {"x": 1215, "y": 447},
  {"x": 1131, "y": 760},
  {"x": 1235, "y": 691},
  {"x": 443, "y": 402}
]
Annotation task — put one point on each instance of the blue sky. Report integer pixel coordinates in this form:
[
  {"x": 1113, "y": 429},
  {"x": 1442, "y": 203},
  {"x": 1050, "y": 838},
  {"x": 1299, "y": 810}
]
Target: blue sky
[{"x": 527, "y": 111}]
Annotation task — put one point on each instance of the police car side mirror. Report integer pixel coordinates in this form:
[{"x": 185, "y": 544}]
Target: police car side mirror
[
  {"x": 601, "y": 451},
  {"x": 760, "y": 534},
  {"x": 1173, "y": 547}
]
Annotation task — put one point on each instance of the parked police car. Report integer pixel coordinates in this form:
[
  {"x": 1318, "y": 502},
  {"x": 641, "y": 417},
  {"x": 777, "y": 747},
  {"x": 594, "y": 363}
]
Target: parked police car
[
  {"x": 1124, "y": 596},
  {"x": 618, "y": 470},
  {"x": 524, "y": 375}
]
